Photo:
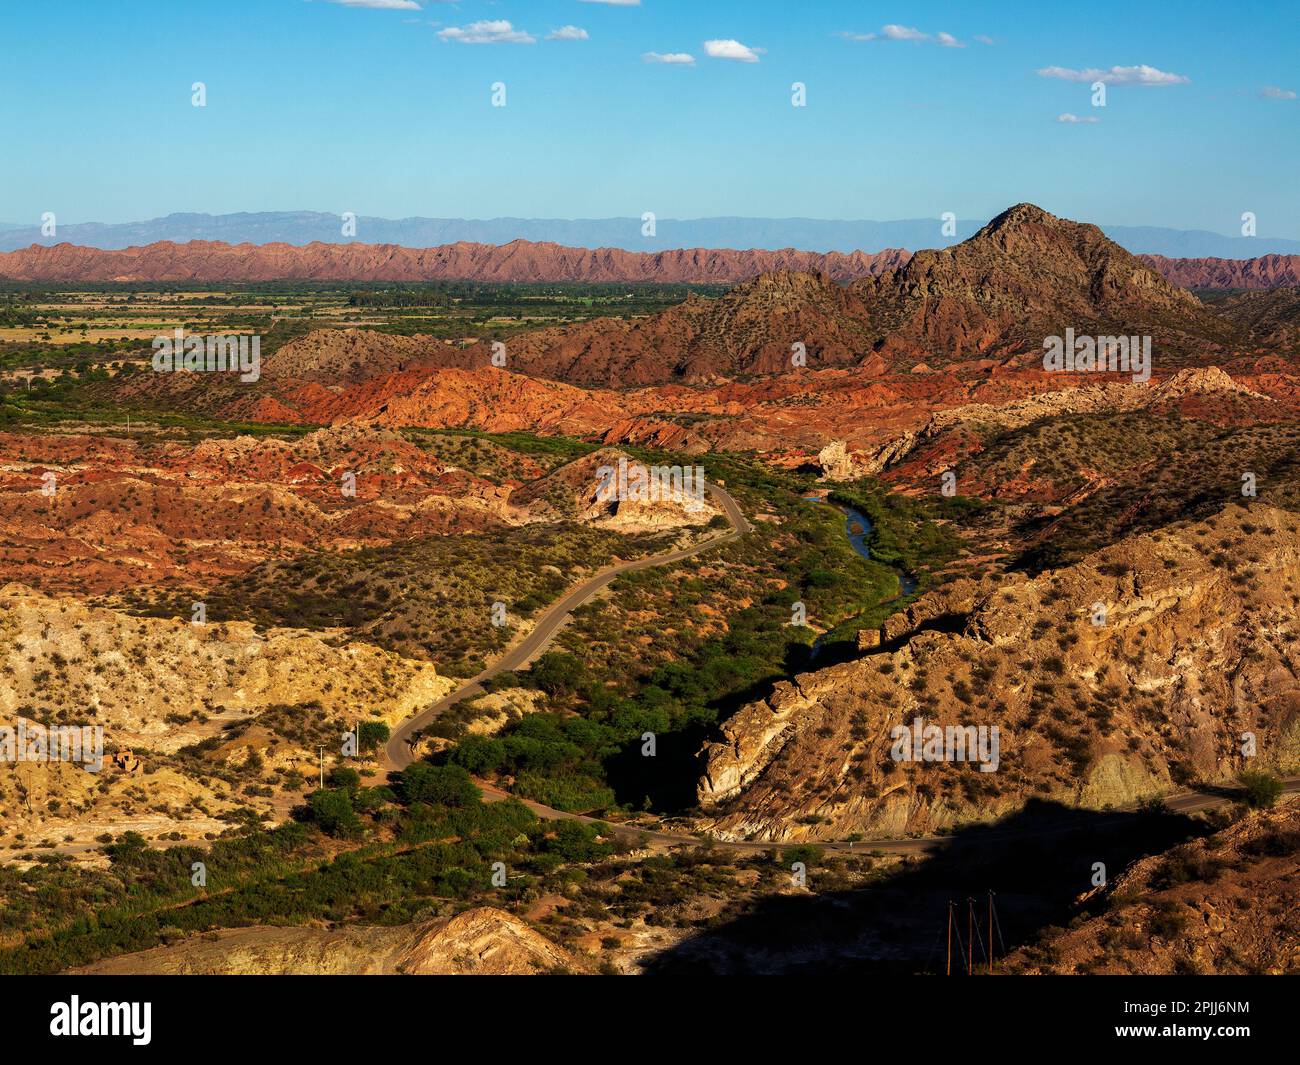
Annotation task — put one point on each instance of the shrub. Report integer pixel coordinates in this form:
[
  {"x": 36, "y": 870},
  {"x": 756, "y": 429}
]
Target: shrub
[
  {"x": 1262, "y": 789},
  {"x": 479, "y": 754},
  {"x": 343, "y": 777}
]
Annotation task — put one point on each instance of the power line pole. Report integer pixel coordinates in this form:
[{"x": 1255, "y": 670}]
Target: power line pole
[
  {"x": 970, "y": 932},
  {"x": 949, "y": 972},
  {"x": 990, "y": 932}
]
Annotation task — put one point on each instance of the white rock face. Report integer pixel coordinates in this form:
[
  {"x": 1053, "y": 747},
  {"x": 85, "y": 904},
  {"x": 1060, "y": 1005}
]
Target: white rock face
[{"x": 835, "y": 462}]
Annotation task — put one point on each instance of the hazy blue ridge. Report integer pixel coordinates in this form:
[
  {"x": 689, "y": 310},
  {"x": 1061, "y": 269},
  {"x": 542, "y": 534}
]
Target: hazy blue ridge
[{"x": 805, "y": 234}]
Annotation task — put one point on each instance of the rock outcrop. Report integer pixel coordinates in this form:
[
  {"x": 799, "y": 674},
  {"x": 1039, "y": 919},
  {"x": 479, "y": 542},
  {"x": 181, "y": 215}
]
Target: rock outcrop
[
  {"x": 478, "y": 942},
  {"x": 1264, "y": 272},
  {"x": 609, "y": 489},
  {"x": 130, "y": 673},
  {"x": 156, "y": 686},
  {"x": 835, "y": 462}
]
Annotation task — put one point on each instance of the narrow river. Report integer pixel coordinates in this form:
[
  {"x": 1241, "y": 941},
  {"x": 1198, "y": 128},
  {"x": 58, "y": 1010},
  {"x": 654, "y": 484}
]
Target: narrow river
[{"x": 857, "y": 529}]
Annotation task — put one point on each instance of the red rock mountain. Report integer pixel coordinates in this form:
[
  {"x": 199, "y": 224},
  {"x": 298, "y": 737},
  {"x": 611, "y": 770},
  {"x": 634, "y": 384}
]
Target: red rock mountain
[
  {"x": 526, "y": 261},
  {"x": 751, "y": 330},
  {"x": 519, "y": 260},
  {"x": 1268, "y": 271},
  {"x": 1026, "y": 275}
]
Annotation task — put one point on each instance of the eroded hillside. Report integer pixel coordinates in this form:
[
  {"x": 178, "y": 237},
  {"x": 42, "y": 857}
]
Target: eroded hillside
[{"x": 1130, "y": 673}]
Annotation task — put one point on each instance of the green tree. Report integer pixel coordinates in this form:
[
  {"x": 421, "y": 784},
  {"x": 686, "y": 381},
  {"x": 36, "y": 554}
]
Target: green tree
[
  {"x": 804, "y": 852},
  {"x": 332, "y": 811},
  {"x": 129, "y": 849},
  {"x": 372, "y": 734},
  {"x": 479, "y": 754},
  {"x": 439, "y": 785},
  {"x": 558, "y": 673}
]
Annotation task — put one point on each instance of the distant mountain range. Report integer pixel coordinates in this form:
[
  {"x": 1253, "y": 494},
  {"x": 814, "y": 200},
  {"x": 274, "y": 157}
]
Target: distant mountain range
[
  {"x": 522, "y": 261},
  {"x": 802, "y": 234},
  {"x": 987, "y": 302}
]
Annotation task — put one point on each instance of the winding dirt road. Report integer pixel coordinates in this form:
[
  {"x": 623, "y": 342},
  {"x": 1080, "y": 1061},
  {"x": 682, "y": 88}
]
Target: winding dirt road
[{"x": 397, "y": 752}]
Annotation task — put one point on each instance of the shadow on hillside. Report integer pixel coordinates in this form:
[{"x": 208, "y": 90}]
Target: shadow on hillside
[
  {"x": 670, "y": 778},
  {"x": 1037, "y": 862}
]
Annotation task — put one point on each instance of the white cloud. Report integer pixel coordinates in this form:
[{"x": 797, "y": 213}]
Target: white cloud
[
  {"x": 682, "y": 59},
  {"x": 488, "y": 31},
  {"x": 383, "y": 5},
  {"x": 1272, "y": 92},
  {"x": 567, "y": 33},
  {"x": 984, "y": 38},
  {"x": 894, "y": 32},
  {"x": 1139, "y": 75},
  {"x": 729, "y": 49},
  {"x": 1090, "y": 120}
]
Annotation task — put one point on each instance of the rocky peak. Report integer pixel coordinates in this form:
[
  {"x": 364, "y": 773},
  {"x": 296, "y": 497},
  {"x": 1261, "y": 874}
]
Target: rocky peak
[{"x": 1021, "y": 214}]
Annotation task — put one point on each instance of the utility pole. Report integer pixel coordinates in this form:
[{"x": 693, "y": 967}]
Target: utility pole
[
  {"x": 970, "y": 933},
  {"x": 990, "y": 932},
  {"x": 322, "y": 767},
  {"x": 949, "y": 972}
]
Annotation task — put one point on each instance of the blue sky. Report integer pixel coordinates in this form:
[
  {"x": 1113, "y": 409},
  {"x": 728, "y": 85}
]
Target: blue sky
[{"x": 347, "y": 106}]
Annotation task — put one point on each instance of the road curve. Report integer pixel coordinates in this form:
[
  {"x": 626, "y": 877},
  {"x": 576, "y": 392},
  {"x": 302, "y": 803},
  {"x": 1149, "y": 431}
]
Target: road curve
[{"x": 397, "y": 752}]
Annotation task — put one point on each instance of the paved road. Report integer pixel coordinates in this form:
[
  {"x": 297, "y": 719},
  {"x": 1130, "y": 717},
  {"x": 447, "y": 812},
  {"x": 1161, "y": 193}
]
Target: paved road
[
  {"x": 1184, "y": 802},
  {"x": 397, "y": 752}
]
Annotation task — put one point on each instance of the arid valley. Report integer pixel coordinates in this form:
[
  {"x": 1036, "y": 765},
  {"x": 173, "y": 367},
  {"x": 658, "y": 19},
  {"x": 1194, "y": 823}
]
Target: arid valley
[
  {"x": 632, "y": 489},
  {"x": 368, "y": 613}
]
